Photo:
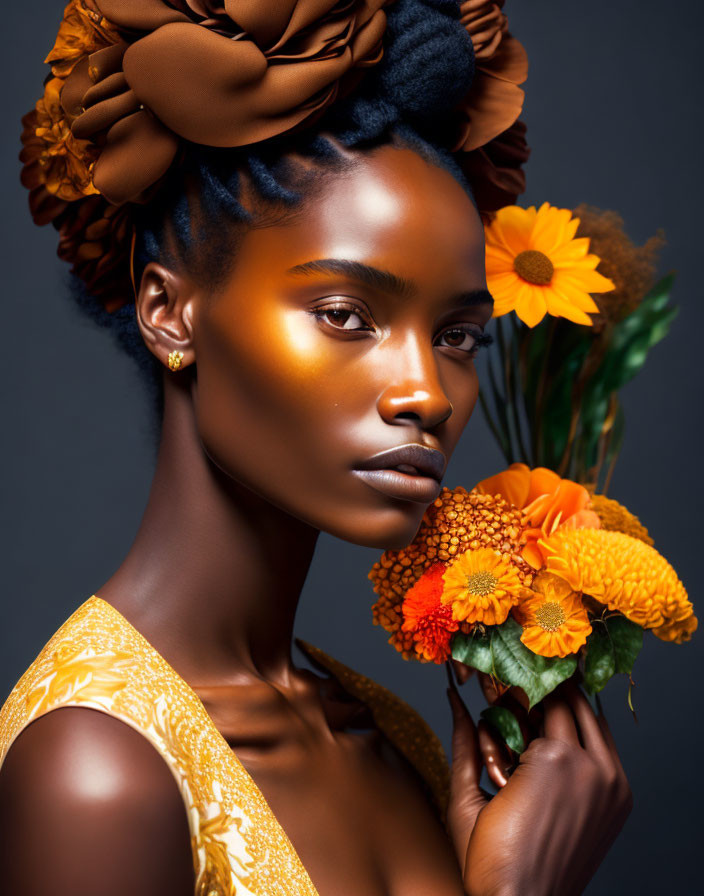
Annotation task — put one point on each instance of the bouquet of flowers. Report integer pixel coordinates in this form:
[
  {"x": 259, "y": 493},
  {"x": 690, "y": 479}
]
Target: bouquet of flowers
[{"x": 532, "y": 575}]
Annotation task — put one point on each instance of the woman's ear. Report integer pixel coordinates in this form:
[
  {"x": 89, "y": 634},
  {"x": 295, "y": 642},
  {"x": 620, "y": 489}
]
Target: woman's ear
[{"x": 164, "y": 308}]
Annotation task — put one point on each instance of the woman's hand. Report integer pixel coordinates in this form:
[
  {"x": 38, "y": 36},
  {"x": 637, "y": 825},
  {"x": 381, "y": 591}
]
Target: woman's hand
[{"x": 554, "y": 819}]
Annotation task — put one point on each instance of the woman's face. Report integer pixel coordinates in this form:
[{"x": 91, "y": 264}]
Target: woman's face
[{"x": 344, "y": 334}]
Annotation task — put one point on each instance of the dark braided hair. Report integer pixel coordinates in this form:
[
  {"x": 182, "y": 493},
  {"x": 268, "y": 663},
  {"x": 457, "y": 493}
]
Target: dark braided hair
[{"x": 199, "y": 214}]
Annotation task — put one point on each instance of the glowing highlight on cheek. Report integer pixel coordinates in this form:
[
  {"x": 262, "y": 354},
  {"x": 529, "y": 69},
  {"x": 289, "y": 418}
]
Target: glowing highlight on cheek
[{"x": 298, "y": 332}]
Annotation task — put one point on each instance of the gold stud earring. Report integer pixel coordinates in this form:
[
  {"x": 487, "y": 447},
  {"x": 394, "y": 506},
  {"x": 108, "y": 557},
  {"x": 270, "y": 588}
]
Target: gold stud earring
[{"x": 175, "y": 359}]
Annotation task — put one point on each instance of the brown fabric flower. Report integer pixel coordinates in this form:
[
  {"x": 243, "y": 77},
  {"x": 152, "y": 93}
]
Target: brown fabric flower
[
  {"x": 95, "y": 240},
  {"x": 495, "y": 171},
  {"x": 495, "y": 100},
  {"x": 132, "y": 79},
  {"x": 270, "y": 67}
]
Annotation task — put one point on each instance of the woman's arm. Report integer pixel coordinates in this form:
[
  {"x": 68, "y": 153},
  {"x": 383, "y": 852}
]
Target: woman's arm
[
  {"x": 549, "y": 827},
  {"x": 88, "y": 807}
]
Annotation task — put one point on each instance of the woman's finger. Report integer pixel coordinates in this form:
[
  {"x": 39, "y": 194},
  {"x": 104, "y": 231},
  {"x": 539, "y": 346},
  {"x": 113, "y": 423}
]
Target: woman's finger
[
  {"x": 462, "y": 671},
  {"x": 466, "y": 799},
  {"x": 592, "y": 734},
  {"x": 495, "y": 755},
  {"x": 491, "y": 688},
  {"x": 609, "y": 738},
  {"x": 558, "y": 720}
]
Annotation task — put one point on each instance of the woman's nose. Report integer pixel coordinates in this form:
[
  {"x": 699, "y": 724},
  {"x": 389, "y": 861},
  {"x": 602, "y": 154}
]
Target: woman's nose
[{"x": 415, "y": 392}]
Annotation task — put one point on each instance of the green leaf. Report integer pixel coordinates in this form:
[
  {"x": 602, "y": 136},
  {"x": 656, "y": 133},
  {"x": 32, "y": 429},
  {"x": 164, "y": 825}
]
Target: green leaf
[
  {"x": 501, "y": 653},
  {"x": 599, "y": 662},
  {"x": 612, "y": 647},
  {"x": 474, "y": 650},
  {"x": 627, "y": 639},
  {"x": 506, "y": 724}
]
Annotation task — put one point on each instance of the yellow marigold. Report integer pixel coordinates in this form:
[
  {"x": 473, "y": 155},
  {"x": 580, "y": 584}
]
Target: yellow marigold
[
  {"x": 625, "y": 574},
  {"x": 555, "y": 622},
  {"x": 64, "y": 161},
  {"x": 535, "y": 266},
  {"x": 456, "y": 521},
  {"x": 617, "y": 518},
  {"x": 82, "y": 31},
  {"x": 481, "y": 586}
]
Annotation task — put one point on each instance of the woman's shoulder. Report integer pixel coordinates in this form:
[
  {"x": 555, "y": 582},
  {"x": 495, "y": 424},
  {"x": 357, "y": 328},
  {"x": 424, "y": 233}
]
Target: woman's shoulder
[
  {"x": 88, "y": 804},
  {"x": 73, "y": 782}
]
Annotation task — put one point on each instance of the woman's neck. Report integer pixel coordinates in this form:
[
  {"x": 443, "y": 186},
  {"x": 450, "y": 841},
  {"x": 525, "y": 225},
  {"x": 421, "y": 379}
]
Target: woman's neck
[{"x": 215, "y": 572}]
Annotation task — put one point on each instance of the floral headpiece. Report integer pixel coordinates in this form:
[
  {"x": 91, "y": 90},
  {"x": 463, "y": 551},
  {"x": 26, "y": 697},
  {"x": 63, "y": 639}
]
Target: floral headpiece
[{"x": 129, "y": 84}]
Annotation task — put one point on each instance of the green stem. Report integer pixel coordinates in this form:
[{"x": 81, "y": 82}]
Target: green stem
[
  {"x": 517, "y": 390},
  {"x": 541, "y": 395},
  {"x": 501, "y": 401}
]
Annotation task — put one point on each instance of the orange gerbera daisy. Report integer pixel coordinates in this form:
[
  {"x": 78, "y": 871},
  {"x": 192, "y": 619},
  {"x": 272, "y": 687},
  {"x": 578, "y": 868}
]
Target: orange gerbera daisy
[
  {"x": 481, "y": 586},
  {"x": 548, "y": 503},
  {"x": 554, "y": 620},
  {"x": 535, "y": 266},
  {"x": 427, "y": 618}
]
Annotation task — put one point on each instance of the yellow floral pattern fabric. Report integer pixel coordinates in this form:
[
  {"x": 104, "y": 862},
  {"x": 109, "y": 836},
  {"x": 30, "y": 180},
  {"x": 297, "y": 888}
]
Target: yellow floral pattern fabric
[{"x": 99, "y": 660}]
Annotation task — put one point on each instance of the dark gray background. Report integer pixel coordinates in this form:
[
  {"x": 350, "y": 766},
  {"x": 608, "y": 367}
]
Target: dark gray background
[{"x": 613, "y": 109}]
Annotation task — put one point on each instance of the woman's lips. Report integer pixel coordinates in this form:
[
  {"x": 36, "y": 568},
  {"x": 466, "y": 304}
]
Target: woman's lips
[
  {"x": 408, "y": 473},
  {"x": 404, "y": 486}
]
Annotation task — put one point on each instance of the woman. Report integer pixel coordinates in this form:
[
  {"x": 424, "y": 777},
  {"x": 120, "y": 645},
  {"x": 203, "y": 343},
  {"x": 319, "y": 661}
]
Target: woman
[{"x": 311, "y": 307}]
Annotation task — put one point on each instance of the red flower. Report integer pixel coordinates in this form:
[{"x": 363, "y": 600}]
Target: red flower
[{"x": 429, "y": 621}]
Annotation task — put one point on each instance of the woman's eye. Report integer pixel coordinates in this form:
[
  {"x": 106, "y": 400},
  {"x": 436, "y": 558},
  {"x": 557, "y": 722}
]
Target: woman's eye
[
  {"x": 342, "y": 318},
  {"x": 457, "y": 338}
]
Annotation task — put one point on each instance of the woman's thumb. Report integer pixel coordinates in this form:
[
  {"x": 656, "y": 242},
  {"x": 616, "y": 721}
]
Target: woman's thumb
[{"x": 466, "y": 797}]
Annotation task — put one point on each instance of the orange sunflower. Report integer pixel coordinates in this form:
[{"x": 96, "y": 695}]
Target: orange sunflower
[
  {"x": 535, "y": 266},
  {"x": 554, "y": 620},
  {"x": 427, "y": 618},
  {"x": 481, "y": 586}
]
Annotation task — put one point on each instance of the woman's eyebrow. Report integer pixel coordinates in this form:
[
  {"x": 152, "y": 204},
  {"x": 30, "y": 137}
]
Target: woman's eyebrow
[
  {"x": 381, "y": 279},
  {"x": 357, "y": 270}
]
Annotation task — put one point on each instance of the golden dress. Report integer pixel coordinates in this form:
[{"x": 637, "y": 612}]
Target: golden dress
[{"x": 99, "y": 660}]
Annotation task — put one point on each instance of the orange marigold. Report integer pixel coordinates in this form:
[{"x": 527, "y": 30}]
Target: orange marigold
[
  {"x": 427, "y": 618},
  {"x": 481, "y": 586},
  {"x": 548, "y": 502},
  {"x": 625, "y": 574},
  {"x": 555, "y": 622},
  {"x": 456, "y": 521}
]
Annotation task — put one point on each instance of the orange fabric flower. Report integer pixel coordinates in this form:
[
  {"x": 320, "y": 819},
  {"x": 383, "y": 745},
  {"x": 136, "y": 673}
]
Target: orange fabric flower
[
  {"x": 548, "y": 502},
  {"x": 481, "y": 586},
  {"x": 64, "y": 161},
  {"x": 83, "y": 30},
  {"x": 555, "y": 622},
  {"x": 427, "y": 618}
]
